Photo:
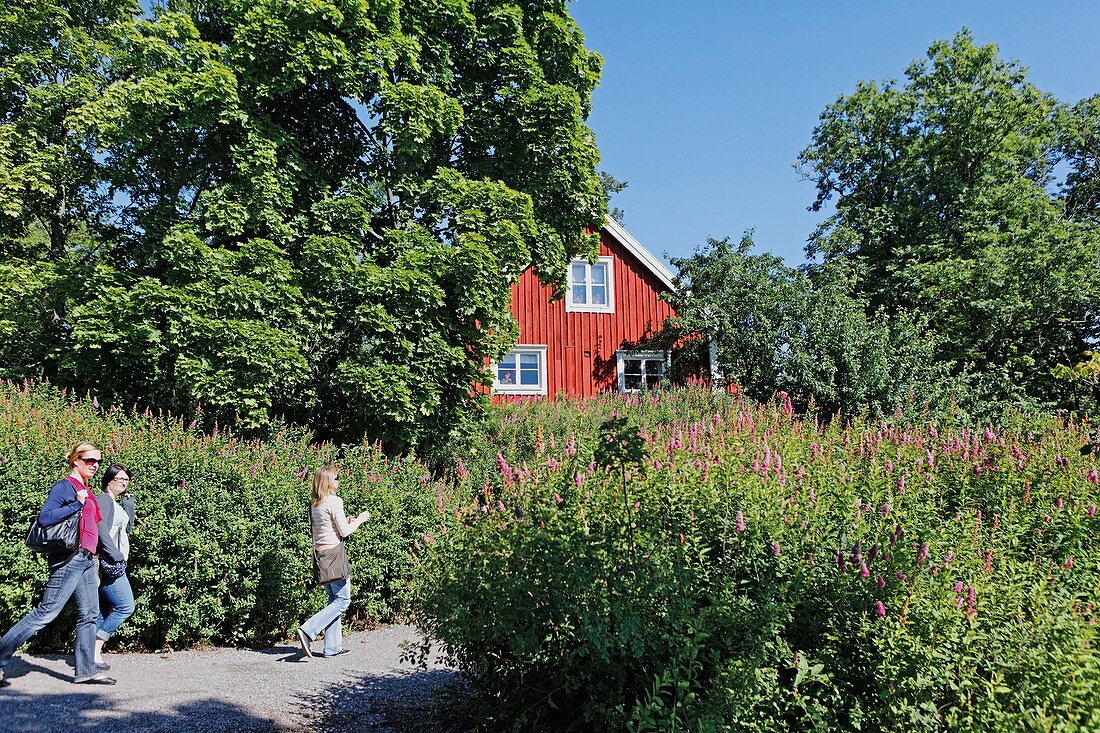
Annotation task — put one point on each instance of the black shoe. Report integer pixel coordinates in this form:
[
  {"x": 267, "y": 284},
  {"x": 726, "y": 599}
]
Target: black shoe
[
  {"x": 102, "y": 666},
  {"x": 100, "y": 680},
  {"x": 303, "y": 639},
  {"x": 340, "y": 653}
]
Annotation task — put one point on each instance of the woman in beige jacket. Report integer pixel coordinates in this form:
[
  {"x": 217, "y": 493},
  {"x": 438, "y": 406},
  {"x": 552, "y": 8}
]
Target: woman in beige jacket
[{"x": 329, "y": 526}]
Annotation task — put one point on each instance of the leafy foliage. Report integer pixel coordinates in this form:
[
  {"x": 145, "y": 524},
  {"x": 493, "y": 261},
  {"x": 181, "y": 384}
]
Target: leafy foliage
[
  {"x": 775, "y": 328},
  {"x": 311, "y": 210},
  {"x": 941, "y": 188},
  {"x": 220, "y": 551},
  {"x": 767, "y": 572}
]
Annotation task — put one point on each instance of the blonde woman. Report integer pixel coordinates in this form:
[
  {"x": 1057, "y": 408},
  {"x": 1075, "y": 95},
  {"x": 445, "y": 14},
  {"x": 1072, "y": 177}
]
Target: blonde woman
[
  {"x": 71, "y": 574},
  {"x": 329, "y": 527}
]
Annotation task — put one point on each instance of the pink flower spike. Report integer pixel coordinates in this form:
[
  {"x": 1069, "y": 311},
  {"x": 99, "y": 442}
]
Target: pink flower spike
[
  {"x": 1059, "y": 503},
  {"x": 557, "y": 499},
  {"x": 900, "y": 575},
  {"x": 959, "y": 587},
  {"x": 885, "y": 509},
  {"x": 775, "y": 548},
  {"x": 880, "y": 609},
  {"x": 1068, "y": 564},
  {"x": 740, "y": 525},
  {"x": 863, "y": 571},
  {"x": 1091, "y": 511},
  {"x": 1091, "y": 476}
]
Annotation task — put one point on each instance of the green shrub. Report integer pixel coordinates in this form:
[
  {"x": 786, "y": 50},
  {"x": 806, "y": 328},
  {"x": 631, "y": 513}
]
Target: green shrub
[
  {"x": 755, "y": 571},
  {"x": 220, "y": 551}
]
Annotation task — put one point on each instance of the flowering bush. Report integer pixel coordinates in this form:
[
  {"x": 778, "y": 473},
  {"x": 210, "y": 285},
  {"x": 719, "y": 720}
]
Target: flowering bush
[
  {"x": 220, "y": 551},
  {"x": 741, "y": 568}
]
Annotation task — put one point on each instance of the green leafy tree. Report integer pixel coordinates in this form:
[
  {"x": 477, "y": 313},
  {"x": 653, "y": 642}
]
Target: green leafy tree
[
  {"x": 1081, "y": 148},
  {"x": 318, "y": 208},
  {"x": 776, "y": 328},
  {"x": 611, "y": 186},
  {"x": 943, "y": 206}
]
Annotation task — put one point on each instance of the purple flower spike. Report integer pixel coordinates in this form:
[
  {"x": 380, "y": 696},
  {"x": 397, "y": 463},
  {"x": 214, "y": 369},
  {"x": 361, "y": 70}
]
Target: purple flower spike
[
  {"x": 881, "y": 582},
  {"x": 863, "y": 571},
  {"x": 880, "y": 609}
]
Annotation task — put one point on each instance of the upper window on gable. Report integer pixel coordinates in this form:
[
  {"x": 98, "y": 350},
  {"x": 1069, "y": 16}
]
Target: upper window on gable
[{"x": 591, "y": 286}]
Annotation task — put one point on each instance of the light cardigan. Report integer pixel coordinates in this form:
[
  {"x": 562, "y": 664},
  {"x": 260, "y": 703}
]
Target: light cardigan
[{"x": 329, "y": 524}]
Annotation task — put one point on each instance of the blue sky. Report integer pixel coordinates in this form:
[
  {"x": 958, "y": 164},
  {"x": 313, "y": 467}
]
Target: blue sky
[{"x": 705, "y": 104}]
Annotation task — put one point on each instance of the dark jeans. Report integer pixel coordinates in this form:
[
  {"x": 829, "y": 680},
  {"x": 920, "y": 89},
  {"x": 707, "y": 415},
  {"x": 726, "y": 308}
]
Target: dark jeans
[{"x": 77, "y": 578}]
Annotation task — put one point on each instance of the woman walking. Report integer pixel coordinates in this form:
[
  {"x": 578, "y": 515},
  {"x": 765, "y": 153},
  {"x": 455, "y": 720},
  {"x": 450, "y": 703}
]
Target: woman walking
[
  {"x": 115, "y": 594},
  {"x": 329, "y": 527},
  {"x": 72, "y": 574}
]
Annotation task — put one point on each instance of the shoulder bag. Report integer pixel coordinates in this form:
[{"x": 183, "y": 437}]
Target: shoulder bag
[
  {"x": 330, "y": 563},
  {"x": 56, "y": 538}
]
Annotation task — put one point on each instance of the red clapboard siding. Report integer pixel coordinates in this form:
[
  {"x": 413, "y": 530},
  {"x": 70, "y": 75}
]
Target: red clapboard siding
[{"x": 580, "y": 354}]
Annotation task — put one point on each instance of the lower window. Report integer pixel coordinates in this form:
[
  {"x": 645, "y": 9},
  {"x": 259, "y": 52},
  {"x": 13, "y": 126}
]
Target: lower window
[
  {"x": 640, "y": 370},
  {"x": 521, "y": 371}
]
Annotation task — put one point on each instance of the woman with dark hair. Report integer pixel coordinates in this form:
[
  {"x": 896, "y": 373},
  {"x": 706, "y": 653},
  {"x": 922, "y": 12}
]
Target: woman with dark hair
[
  {"x": 72, "y": 574},
  {"x": 117, "y": 507}
]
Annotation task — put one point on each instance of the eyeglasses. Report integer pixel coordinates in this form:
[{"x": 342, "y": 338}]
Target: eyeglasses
[
  {"x": 92, "y": 461},
  {"x": 121, "y": 478}
]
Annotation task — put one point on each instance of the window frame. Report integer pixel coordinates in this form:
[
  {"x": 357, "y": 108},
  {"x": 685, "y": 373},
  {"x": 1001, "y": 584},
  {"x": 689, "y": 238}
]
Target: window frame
[
  {"x": 621, "y": 357},
  {"x": 609, "y": 268},
  {"x": 522, "y": 389}
]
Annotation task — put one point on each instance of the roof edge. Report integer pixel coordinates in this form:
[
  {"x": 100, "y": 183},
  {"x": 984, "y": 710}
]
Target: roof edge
[{"x": 632, "y": 245}]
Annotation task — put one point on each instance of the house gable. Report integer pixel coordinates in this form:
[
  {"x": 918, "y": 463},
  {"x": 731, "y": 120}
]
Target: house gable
[{"x": 583, "y": 349}]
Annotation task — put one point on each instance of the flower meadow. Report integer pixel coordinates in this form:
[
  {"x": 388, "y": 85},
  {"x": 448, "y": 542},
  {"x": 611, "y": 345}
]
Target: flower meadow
[
  {"x": 689, "y": 561},
  {"x": 220, "y": 552}
]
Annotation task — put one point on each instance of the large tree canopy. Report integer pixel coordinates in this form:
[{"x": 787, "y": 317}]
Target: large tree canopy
[
  {"x": 946, "y": 203},
  {"x": 311, "y": 208}
]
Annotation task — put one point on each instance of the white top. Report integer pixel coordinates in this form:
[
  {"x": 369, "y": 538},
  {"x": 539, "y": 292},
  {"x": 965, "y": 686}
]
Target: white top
[
  {"x": 328, "y": 522},
  {"x": 118, "y": 530}
]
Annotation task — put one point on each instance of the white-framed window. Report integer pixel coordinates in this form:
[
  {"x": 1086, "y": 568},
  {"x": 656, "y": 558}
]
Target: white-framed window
[
  {"x": 591, "y": 286},
  {"x": 521, "y": 371},
  {"x": 640, "y": 370}
]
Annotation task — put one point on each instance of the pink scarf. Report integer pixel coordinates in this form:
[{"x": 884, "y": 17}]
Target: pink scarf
[{"x": 89, "y": 519}]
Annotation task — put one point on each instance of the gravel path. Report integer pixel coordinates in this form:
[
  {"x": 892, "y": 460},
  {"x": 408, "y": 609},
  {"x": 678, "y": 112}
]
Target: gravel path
[{"x": 274, "y": 689}]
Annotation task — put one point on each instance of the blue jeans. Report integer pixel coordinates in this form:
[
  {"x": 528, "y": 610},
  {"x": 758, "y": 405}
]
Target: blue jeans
[
  {"x": 328, "y": 618},
  {"x": 115, "y": 594},
  {"x": 76, "y": 578}
]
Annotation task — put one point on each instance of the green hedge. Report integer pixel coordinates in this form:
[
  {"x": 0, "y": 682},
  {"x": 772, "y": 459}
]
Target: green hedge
[
  {"x": 742, "y": 569},
  {"x": 220, "y": 552}
]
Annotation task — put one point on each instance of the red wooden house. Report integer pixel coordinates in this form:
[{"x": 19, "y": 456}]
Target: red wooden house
[{"x": 595, "y": 339}]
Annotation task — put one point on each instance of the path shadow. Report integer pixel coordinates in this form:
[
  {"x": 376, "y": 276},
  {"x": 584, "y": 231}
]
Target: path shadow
[
  {"x": 86, "y": 711},
  {"x": 19, "y": 666},
  {"x": 289, "y": 652},
  {"x": 401, "y": 702}
]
